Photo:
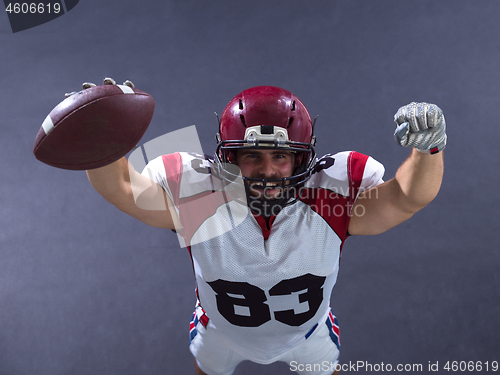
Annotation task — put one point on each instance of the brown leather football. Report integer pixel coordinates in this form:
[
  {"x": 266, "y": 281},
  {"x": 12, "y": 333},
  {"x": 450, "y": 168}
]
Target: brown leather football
[{"x": 94, "y": 127}]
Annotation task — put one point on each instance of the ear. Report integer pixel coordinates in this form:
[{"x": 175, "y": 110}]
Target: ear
[{"x": 298, "y": 159}]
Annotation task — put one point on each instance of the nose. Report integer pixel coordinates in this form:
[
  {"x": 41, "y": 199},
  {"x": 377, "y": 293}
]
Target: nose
[{"x": 267, "y": 168}]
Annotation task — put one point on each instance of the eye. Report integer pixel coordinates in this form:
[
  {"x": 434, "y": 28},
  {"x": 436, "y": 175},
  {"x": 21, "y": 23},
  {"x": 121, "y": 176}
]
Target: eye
[
  {"x": 251, "y": 156},
  {"x": 282, "y": 156}
]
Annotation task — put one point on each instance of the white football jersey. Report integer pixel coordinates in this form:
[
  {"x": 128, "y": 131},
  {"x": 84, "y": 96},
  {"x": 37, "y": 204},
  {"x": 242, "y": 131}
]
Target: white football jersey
[{"x": 264, "y": 289}]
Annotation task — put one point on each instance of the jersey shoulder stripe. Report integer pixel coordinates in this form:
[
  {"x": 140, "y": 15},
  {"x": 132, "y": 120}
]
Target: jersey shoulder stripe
[
  {"x": 335, "y": 184},
  {"x": 341, "y": 172}
]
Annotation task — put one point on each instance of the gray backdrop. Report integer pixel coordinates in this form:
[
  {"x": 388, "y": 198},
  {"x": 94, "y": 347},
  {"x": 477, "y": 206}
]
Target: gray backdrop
[{"x": 85, "y": 289}]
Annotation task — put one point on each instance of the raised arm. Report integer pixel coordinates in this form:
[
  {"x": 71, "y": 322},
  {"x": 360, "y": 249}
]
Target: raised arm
[
  {"x": 415, "y": 185},
  {"x": 134, "y": 194},
  {"x": 418, "y": 179}
]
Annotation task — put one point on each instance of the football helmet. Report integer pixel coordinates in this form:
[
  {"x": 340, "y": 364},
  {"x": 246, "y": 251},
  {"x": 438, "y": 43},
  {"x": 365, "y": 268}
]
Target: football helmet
[{"x": 266, "y": 117}]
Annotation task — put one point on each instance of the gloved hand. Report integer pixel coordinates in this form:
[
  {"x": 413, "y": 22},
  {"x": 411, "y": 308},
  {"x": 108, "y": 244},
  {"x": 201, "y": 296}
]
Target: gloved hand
[
  {"x": 422, "y": 126},
  {"x": 107, "y": 81}
]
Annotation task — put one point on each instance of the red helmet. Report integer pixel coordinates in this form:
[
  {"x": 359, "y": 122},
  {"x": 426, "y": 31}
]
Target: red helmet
[
  {"x": 267, "y": 117},
  {"x": 266, "y": 105}
]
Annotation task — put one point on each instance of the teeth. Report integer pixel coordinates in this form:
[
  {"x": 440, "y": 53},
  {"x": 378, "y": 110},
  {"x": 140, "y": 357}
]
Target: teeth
[{"x": 269, "y": 184}]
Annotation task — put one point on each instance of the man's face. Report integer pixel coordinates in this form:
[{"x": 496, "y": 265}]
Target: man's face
[{"x": 265, "y": 164}]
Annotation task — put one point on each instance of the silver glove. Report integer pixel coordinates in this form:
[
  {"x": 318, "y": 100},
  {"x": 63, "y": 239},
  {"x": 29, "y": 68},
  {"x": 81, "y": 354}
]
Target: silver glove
[{"x": 421, "y": 126}]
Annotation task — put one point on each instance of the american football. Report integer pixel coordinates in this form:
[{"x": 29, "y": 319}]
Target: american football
[{"x": 94, "y": 127}]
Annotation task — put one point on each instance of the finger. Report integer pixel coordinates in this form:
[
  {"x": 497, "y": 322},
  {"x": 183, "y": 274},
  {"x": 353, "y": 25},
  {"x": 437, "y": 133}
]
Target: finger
[
  {"x": 109, "y": 81},
  {"x": 88, "y": 85},
  {"x": 421, "y": 116},
  {"x": 434, "y": 115},
  {"x": 407, "y": 114},
  {"x": 411, "y": 116},
  {"x": 401, "y": 133},
  {"x": 401, "y": 115},
  {"x": 129, "y": 84}
]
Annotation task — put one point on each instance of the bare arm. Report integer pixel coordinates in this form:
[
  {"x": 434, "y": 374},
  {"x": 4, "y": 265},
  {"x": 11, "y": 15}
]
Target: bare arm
[
  {"x": 415, "y": 185},
  {"x": 422, "y": 127},
  {"x": 134, "y": 194}
]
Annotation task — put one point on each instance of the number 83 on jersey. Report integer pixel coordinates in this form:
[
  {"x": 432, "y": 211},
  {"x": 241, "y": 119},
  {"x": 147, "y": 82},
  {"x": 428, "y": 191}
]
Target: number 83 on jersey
[{"x": 243, "y": 304}]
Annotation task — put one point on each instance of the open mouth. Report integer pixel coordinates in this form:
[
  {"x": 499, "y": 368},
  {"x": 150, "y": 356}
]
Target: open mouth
[{"x": 270, "y": 191}]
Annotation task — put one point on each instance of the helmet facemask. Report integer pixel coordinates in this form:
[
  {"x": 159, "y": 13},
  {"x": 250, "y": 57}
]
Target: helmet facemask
[{"x": 266, "y": 137}]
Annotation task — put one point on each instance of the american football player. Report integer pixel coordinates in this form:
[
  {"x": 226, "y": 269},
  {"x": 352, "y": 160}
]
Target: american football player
[{"x": 265, "y": 221}]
